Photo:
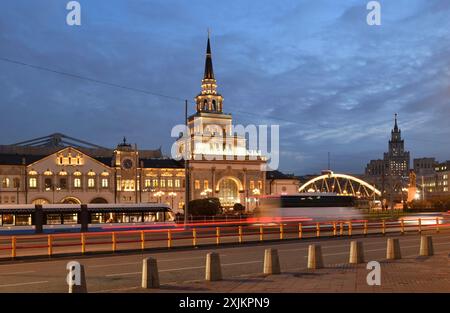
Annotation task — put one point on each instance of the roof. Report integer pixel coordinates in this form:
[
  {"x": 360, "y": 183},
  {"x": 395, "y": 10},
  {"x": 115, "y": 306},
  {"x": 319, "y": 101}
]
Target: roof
[
  {"x": 162, "y": 163},
  {"x": 19, "y": 159},
  {"x": 279, "y": 175}
]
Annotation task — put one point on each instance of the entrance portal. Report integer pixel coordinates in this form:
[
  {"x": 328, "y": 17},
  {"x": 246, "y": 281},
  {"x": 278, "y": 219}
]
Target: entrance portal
[{"x": 228, "y": 192}]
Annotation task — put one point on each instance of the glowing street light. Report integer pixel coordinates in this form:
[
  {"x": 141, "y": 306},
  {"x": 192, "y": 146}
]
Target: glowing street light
[{"x": 159, "y": 194}]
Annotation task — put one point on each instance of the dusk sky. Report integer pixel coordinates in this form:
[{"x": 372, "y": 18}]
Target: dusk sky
[{"x": 332, "y": 82}]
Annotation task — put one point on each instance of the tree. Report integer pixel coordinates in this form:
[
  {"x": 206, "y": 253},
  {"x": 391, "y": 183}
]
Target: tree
[{"x": 208, "y": 206}]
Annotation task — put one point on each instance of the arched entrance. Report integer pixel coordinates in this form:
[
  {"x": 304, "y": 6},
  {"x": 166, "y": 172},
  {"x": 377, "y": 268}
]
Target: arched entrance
[
  {"x": 71, "y": 200},
  {"x": 99, "y": 200},
  {"x": 228, "y": 191}
]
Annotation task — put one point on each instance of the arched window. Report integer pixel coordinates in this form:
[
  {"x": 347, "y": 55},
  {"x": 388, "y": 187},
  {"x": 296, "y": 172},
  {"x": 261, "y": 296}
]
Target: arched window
[
  {"x": 205, "y": 105},
  {"x": 214, "y": 107}
]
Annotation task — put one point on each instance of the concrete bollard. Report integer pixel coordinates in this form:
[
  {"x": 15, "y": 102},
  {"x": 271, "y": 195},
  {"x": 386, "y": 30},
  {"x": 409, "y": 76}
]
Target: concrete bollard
[
  {"x": 393, "y": 249},
  {"x": 271, "y": 262},
  {"x": 78, "y": 286},
  {"x": 150, "y": 275},
  {"x": 213, "y": 268},
  {"x": 356, "y": 252},
  {"x": 426, "y": 246},
  {"x": 315, "y": 260}
]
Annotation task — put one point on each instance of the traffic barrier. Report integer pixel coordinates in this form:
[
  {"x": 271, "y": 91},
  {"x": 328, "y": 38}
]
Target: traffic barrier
[
  {"x": 194, "y": 237},
  {"x": 271, "y": 262},
  {"x": 114, "y": 242},
  {"x": 437, "y": 225},
  {"x": 217, "y": 235},
  {"x": 13, "y": 247},
  {"x": 169, "y": 239},
  {"x": 240, "y": 234},
  {"x": 150, "y": 275},
  {"x": 143, "y": 240},
  {"x": 50, "y": 245},
  {"x": 315, "y": 260},
  {"x": 83, "y": 243},
  {"x": 393, "y": 249},
  {"x": 426, "y": 246},
  {"x": 54, "y": 244},
  {"x": 82, "y": 287},
  {"x": 213, "y": 269},
  {"x": 356, "y": 252}
]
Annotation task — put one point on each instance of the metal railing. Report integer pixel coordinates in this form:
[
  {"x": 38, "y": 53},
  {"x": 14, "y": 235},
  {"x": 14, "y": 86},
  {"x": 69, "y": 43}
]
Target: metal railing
[{"x": 12, "y": 247}]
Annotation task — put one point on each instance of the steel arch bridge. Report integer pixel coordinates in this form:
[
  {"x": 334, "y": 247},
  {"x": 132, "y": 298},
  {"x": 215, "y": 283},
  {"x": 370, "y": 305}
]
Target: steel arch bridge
[{"x": 341, "y": 184}]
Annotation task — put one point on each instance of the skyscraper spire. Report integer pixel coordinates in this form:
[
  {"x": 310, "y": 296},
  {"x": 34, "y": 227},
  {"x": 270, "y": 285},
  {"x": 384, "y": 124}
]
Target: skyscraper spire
[
  {"x": 209, "y": 72},
  {"x": 396, "y": 126}
]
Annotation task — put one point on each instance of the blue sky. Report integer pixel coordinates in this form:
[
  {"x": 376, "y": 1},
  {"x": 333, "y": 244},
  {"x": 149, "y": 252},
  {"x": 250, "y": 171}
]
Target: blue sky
[{"x": 314, "y": 67}]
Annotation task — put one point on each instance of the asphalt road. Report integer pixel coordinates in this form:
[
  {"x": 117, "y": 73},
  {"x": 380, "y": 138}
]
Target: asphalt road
[{"x": 123, "y": 272}]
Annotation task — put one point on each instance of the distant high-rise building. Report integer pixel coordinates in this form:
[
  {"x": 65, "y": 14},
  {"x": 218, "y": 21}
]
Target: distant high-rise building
[
  {"x": 390, "y": 173},
  {"x": 397, "y": 158}
]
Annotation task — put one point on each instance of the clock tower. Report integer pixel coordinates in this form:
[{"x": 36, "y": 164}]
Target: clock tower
[{"x": 126, "y": 165}]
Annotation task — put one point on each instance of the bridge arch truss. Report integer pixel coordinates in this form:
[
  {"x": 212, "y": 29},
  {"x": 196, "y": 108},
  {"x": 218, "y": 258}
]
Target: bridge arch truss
[{"x": 341, "y": 184}]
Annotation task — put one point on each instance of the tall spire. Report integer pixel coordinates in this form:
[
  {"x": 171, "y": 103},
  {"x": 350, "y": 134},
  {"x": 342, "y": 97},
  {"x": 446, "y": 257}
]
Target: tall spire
[
  {"x": 209, "y": 73},
  {"x": 396, "y": 126},
  {"x": 209, "y": 100}
]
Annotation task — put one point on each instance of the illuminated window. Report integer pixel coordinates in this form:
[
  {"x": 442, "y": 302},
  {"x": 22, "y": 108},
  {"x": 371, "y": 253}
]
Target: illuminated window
[
  {"x": 32, "y": 182},
  {"x": 177, "y": 183},
  {"x": 252, "y": 185},
  {"x": 77, "y": 183},
  {"x": 205, "y": 184},
  {"x": 169, "y": 183},
  {"x": 162, "y": 183},
  {"x": 105, "y": 182},
  {"x": 155, "y": 183},
  {"x": 197, "y": 184},
  {"x": 5, "y": 182},
  {"x": 259, "y": 184},
  {"x": 147, "y": 183},
  {"x": 91, "y": 182}
]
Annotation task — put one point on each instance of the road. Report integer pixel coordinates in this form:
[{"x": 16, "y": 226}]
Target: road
[{"x": 122, "y": 272}]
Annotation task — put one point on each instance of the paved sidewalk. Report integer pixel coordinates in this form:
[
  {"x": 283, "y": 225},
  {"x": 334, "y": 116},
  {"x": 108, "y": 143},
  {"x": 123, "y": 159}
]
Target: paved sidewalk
[{"x": 421, "y": 274}]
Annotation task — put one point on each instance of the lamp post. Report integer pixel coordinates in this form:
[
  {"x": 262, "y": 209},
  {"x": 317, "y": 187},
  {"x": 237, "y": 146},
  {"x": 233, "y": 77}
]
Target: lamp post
[
  {"x": 172, "y": 195},
  {"x": 159, "y": 194},
  {"x": 256, "y": 193}
]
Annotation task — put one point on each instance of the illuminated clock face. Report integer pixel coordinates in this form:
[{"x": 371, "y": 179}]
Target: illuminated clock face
[{"x": 127, "y": 164}]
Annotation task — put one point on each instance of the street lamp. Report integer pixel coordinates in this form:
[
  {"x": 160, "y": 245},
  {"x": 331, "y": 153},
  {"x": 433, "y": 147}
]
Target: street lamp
[
  {"x": 205, "y": 192},
  {"x": 172, "y": 195},
  {"x": 159, "y": 194}
]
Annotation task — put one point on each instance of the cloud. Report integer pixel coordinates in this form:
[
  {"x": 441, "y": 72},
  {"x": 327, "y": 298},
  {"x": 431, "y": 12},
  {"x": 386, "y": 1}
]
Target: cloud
[{"x": 315, "y": 67}]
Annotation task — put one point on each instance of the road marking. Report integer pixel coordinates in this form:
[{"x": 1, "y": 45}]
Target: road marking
[
  {"x": 118, "y": 289},
  {"x": 180, "y": 269},
  {"x": 17, "y": 273},
  {"x": 23, "y": 284},
  {"x": 163, "y": 260}
]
